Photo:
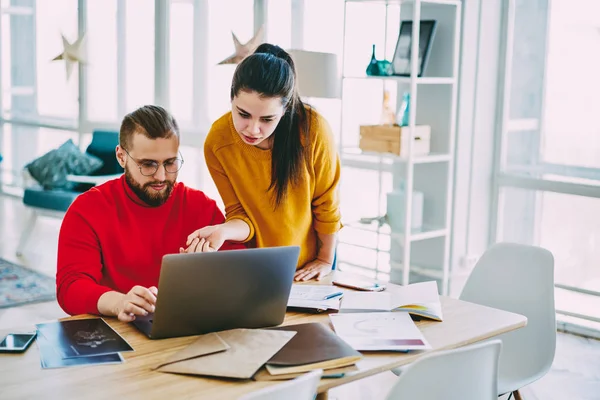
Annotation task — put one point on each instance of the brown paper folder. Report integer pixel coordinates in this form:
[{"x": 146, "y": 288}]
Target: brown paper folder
[
  {"x": 248, "y": 350},
  {"x": 206, "y": 344},
  {"x": 314, "y": 346}
]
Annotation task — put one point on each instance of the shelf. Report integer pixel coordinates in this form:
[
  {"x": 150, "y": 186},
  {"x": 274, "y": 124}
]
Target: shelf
[
  {"x": 442, "y": 2},
  {"x": 429, "y": 272},
  {"x": 353, "y": 156},
  {"x": 427, "y": 232},
  {"x": 425, "y": 80},
  {"x": 17, "y": 10},
  {"x": 369, "y": 227}
]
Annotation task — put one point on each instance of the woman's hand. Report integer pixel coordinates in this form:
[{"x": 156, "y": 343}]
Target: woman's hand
[
  {"x": 209, "y": 238},
  {"x": 314, "y": 269}
]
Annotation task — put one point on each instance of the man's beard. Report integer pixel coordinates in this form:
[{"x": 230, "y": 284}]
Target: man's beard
[{"x": 146, "y": 193}]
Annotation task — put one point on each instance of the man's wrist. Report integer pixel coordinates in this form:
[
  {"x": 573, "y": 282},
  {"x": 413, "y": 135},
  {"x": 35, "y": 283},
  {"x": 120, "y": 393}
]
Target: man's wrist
[{"x": 108, "y": 303}]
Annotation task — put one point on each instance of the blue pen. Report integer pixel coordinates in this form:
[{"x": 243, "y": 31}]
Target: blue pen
[
  {"x": 334, "y": 376},
  {"x": 332, "y": 295}
]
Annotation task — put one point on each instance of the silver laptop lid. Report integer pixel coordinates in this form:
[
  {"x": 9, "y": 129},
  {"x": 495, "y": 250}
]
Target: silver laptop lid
[{"x": 208, "y": 292}]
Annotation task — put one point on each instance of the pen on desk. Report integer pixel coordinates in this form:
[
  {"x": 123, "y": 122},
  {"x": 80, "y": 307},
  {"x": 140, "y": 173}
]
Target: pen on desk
[
  {"x": 331, "y": 296},
  {"x": 333, "y": 376}
]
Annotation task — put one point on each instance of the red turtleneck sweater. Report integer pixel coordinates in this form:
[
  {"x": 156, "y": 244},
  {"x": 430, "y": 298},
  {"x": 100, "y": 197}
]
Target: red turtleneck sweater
[{"x": 109, "y": 240}]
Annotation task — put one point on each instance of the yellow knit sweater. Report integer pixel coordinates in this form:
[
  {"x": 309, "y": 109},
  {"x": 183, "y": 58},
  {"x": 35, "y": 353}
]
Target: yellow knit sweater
[{"x": 242, "y": 174}]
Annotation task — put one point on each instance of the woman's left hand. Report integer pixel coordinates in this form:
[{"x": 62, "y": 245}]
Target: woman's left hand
[{"x": 314, "y": 269}]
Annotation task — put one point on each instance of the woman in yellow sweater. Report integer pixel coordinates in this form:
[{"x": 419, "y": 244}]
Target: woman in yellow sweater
[{"x": 274, "y": 162}]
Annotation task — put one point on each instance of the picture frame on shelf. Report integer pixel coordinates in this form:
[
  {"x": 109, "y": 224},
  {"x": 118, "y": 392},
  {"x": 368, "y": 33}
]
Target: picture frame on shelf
[{"x": 402, "y": 54}]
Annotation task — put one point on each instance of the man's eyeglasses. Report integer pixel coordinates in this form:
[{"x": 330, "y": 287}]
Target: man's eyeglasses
[{"x": 149, "y": 168}]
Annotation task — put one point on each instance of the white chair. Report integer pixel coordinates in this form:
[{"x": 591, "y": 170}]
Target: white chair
[
  {"x": 519, "y": 279},
  {"x": 302, "y": 388},
  {"x": 466, "y": 373}
]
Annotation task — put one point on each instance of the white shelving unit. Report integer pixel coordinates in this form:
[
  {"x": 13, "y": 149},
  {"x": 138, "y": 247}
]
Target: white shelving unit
[{"x": 423, "y": 252}]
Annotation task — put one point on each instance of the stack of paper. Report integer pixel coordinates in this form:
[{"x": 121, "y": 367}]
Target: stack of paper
[
  {"x": 315, "y": 297},
  {"x": 79, "y": 342},
  {"x": 421, "y": 299},
  {"x": 379, "y": 331}
]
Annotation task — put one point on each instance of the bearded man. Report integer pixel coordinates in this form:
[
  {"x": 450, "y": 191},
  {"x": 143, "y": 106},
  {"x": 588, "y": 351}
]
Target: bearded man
[{"x": 113, "y": 237}]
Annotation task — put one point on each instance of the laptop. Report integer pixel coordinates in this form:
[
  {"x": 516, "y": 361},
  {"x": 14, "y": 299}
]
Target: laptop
[{"x": 209, "y": 292}]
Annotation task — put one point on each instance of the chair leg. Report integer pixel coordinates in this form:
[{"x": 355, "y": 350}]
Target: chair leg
[
  {"x": 29, "y": 225},
  {"x": 517, "y": 395},
  {"x": 322, "y": 396}
]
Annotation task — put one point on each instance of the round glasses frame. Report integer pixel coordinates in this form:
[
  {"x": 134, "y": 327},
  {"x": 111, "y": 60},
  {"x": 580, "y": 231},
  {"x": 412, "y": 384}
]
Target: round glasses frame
[{"x": 150, "y": 168}]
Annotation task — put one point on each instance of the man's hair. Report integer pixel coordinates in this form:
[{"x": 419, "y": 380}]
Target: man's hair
[{"x": 151, "y": 121}]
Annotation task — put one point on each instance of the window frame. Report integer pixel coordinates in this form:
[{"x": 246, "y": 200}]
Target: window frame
[
  {"x": 192, "y": 134},
  {"x": 538, "y": 183}
]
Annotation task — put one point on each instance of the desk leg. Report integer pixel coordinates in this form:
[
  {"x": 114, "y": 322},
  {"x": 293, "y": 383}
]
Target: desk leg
[{"x": 322, "y": 396}]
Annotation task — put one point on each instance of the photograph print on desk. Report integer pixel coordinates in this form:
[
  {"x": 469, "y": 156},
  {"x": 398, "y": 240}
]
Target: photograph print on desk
[
  {"x": 51, "y": 358},
  {"x": 83, "y": 337}
]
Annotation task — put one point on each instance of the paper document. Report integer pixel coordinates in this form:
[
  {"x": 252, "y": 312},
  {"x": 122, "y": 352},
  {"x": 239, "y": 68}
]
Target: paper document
[
  {"x": 314, "y": 292},
  {"x": 420, "y": 299},
  {"x": 379, "y": 331},
  {"x": 315, "y": 297}
]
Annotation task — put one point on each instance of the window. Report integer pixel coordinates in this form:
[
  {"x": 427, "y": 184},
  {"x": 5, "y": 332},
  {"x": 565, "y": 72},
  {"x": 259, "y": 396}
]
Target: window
[
  {"x": 561, "y": 223},
  {"x": 139, "y": 54},
  {"x": 101, "y": 68},
  {"x": 548, "y": 175},
  {"x": 181, "y": 61},
  {"x": 571, "y": 131},
  {"x": 279, "y": 22},
  {"x": 222, "y": 22},
  {"x": 56, "y": 96}
]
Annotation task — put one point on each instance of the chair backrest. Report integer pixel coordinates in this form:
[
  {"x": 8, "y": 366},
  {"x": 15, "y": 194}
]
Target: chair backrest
[
  {"x": 519, "y": 279},
  {"x": 302, "y": 388},
  {"x": 103, "y": 146},
  {"x": 466, "y": 373}
]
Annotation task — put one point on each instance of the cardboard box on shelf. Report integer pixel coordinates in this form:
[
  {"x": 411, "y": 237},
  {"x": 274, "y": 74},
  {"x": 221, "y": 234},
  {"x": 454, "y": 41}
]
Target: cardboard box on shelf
[{"x": 394, "y": 139}]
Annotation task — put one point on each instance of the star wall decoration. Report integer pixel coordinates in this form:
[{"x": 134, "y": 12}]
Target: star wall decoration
[
  {"x": 243, "y": 50},
  {"x": 72, "y": 53}
]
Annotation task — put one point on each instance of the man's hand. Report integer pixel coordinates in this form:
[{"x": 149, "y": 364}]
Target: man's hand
[
  {"x": 209, "y": 238},
  {"x": 138, "y": 301},
  {"x": 314, "y": 269}
]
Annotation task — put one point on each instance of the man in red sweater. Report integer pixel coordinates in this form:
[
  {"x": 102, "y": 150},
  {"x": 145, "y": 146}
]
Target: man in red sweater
[{"x": 113, "y": 237}]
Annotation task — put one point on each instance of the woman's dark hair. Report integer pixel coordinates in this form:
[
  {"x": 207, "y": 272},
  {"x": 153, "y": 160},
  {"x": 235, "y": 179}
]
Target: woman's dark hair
[
  {"x": 270, "y": 72},
  {"x": 151, "y": 121}
]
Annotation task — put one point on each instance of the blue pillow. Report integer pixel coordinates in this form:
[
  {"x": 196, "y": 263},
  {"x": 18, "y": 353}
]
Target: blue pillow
[{"x": 51, "y": 169}]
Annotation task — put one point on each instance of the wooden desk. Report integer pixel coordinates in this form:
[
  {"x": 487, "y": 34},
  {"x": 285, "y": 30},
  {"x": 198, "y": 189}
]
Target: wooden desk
[{"x": 21, "y": 376}]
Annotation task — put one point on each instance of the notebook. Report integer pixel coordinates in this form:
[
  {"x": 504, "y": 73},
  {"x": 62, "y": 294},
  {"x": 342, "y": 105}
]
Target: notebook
[
  {"x": 314, "y": 346},
  {"x": 420, "y": 299}
]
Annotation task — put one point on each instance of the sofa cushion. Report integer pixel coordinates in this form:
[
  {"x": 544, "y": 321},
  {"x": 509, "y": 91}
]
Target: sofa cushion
[
  {"x": 58, "y": 200},
  {"x": 51, "y": 169}
]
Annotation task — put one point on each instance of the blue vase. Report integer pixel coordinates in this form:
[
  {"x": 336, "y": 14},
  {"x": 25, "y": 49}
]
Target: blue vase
[
  {"x": 373, "y": 67},
  {"x": 402, "y": 117}
]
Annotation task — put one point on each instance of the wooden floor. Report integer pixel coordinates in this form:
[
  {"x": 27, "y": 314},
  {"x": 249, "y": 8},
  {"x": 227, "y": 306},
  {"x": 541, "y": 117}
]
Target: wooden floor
[{"x": 575, "y": 373}]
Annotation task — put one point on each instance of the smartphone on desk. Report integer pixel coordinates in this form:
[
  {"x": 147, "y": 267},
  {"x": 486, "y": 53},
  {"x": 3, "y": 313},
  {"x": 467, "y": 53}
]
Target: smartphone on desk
[
  {"x": 16, "y": 342},
  {"x": 359, "y": 284}
]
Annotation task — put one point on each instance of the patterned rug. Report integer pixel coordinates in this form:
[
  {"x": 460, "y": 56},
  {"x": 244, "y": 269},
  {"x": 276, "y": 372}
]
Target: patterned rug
[{"x": 19, "y": 285}]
